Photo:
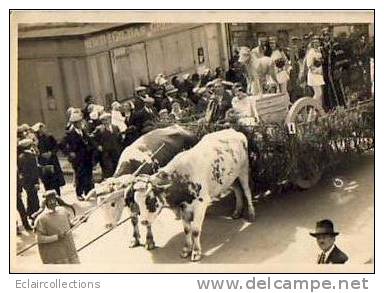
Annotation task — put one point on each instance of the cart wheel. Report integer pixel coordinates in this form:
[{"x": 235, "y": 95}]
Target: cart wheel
[{"x": 304, "y": 110}]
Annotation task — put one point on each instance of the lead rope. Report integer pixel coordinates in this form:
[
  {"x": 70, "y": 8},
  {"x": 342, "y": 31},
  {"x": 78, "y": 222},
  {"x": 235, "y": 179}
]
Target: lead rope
[{"x": 82, "y": 219}]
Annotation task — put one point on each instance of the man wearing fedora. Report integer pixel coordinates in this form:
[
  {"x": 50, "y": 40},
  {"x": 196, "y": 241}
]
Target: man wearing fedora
[
  {"x": 326, "y": 236},
  {"x": 79, "y": 147}
]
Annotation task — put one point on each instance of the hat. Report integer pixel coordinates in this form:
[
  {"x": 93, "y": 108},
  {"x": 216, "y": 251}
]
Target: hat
[
  {"x": 37, "y": 126},
  {"x": 115, "y": 105},
  {"x": 75, "y": 117},
  {"x": 147, "y": 99},
  {"x": 170, "y": 89},
  {"x": 105, "y": 115},
  {"x": 295, "y": 38},
  {"x": 140, "y": 88},
  {"x": 324, "y": 227},
  {"x": 26, "y": 142},
  {"x": 186, "y": 76},
  {"x": 272, "y": 39},
  {"x": 315, "y": 38},
  {"x": 23, "y": 127},
  {"x": 50, "y": 194},
  {"x": 263, "y": 38},
  {"x": 325, "y": 31},
  {"x": 306, "y": 37},
  {"x": 201, "y": 90}
]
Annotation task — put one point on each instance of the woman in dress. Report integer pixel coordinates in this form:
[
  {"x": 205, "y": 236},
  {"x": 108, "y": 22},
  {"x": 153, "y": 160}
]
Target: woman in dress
[
  {"x": 314, "y": 61},
  {"x": 280, "y": 61}
]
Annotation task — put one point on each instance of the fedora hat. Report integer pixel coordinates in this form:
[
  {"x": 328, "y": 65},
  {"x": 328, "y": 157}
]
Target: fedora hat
[{"x": 324, "y": 227}]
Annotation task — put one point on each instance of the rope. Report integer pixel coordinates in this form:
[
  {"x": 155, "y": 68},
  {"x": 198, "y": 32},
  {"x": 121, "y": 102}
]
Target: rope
[
  {"x": 102, "y": 235},
  {"x": 82, "y": 218}
]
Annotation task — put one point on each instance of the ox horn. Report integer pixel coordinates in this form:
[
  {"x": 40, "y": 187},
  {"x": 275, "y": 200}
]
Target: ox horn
[
  {"x": 90, "y": 194},
  {"x": 149, "y": 189}
]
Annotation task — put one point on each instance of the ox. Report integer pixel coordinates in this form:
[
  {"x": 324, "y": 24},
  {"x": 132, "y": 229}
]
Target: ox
[
  {"x": 173, "y": 140},
  {"x": 258, "y": 69},
  {"x": 191, "y": 181}
]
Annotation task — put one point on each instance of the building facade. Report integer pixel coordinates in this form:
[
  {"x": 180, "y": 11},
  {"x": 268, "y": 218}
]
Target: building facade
[{"x": 58, "y": 67}]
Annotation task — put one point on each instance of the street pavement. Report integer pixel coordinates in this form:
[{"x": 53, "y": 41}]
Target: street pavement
[{"x": 280, "y": 234}]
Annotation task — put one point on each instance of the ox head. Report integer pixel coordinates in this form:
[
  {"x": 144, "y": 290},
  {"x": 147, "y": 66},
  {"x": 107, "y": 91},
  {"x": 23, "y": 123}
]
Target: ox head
[
  {"x": 148, "y": 193},
  {"x": 110, "y": 197},
  {"x": 112, "y": 207},
  {"x": 244, "y": 55}
]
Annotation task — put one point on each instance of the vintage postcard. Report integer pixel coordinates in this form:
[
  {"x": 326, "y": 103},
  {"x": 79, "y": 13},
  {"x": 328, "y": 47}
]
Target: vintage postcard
[{"x": 192, "y": 141}]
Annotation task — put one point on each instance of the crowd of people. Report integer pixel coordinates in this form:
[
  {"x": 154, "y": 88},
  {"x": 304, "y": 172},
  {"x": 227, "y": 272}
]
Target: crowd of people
[{"x": 314, "y": 65}]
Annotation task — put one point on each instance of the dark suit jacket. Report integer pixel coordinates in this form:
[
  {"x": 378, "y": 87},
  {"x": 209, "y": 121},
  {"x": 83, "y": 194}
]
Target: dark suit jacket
[
  {"x": 109, "y": 141},
  {"x": 82, "y": 146},
  {"x": 28, "y": 169},
  {"x": 336, "y": 257}
]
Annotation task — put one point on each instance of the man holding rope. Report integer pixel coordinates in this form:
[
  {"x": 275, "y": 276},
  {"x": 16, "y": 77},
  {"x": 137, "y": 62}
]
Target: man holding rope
[{"x": 54, "y": 233}]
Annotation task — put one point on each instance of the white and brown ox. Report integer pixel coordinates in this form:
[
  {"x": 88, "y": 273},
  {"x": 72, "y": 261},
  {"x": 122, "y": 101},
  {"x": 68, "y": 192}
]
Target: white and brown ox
[
  {"x": 259, "y": 70},
  {"x": 192, "y": 180},
  {"x": 171, "y": 140}
]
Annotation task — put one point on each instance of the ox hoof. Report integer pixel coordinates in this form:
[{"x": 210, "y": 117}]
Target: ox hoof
[
  {"x": 134, "y": 243},
  {"x": 196, "y": 256},
  {"x": 236, "y": 215},
  {"x": 150, "y": 246},
  {"x": 185, "y": 254},
  {"x": 251, "y": 218}
]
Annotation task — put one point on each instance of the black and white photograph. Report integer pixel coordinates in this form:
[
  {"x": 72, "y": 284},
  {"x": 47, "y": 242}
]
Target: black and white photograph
[{"x": 192, "y": 141}]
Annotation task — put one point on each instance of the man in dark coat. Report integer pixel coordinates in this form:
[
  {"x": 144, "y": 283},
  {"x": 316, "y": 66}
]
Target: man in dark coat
[
  {"x": 108, "y": 142},
  {"x": 20, "y": 204},
  {"x": 144, "y": 119},
  {"x": 334, "y": 62},
  {"x": 50, "y": 169},
  {"x": 326, "y": 236},
  {"x": 78, "y": 146},
  {"x": 29, "y": 174}
]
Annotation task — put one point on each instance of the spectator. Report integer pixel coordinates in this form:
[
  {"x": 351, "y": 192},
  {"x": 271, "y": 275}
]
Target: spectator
[
  {"x": 20, "y": 204},
  {"x": 78, "y": 146},
  {"x": 334, "y": 62},
  {"x": 315, "y": 71},
  {"x": 50, "y": 171},
  {"x": 244, "y": 106},
  {"x": 29, "y": 173},
  {"x": 219, "y": 73},
  {"x": 54, "y": 237},
  {"x": 144, "y": 119},
  {"x": 131, "y": 133},
  {"x": 220, "y": 102},
  {"x": 170, "y": 98},
  {"x": 261, "y": 49},
  {"x": 176, "y": 113},
  {"x": 281, "y": 65},
  {"x": 117, "y": 117},
  {"x": 22, "y": 131},
  {"x": 89, "y": 100},
  {"x": 108, "y": 142}
]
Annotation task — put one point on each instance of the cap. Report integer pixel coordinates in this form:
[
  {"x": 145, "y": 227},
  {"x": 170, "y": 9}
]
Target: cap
[
  {"x": 140, "y": 88},
  {"x": 37, "y": 126},
  {"x": 115, "y": 105},
  {"x": 23, "y": 127},
  {"x": 26, "y": 142}
]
